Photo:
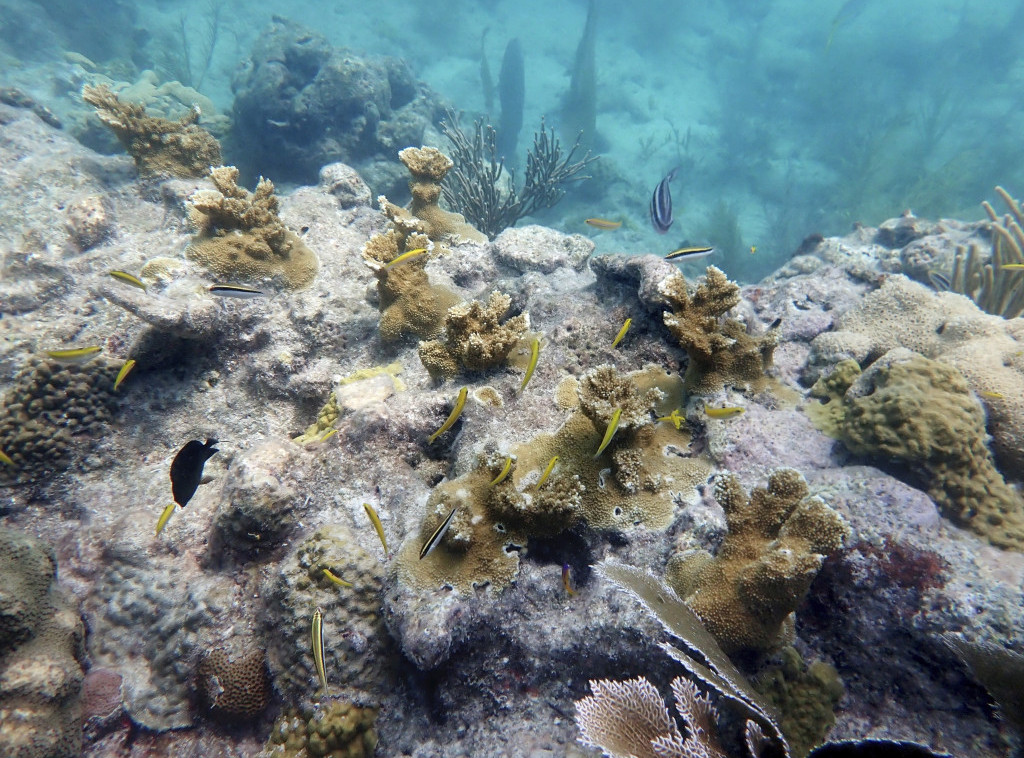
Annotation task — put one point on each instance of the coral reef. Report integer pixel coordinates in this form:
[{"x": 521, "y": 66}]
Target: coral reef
[
  {"x": 240, "y": 237},
  {"x": 538, "y": 248},
  {"x": 341, "y": 729},
  {"x": 720, "y": 350},
  {"x": 427, "y": 167},
  {"x": 922, "y": 412},
  {"x": 301, "y": 103},
  {"x": 475, "y": 338},
  {"x": 159, "y": 146},
  {"x": 40, "y": 654},
  {"x": 358, "y": 653},
  {"x": 234, "y": 686},
  {"x": 51, "y": 411},
  {"x": 778, "y": 539}
]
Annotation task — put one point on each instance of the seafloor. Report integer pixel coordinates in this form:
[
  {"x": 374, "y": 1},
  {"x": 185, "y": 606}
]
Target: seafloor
[{"x": 456, "y": 665}]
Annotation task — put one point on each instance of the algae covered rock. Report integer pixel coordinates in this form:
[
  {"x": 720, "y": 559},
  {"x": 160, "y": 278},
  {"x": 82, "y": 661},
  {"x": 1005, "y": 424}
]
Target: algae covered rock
[
  {"x": 40, "y": 655},
  {"x": 340, "y": 729}
]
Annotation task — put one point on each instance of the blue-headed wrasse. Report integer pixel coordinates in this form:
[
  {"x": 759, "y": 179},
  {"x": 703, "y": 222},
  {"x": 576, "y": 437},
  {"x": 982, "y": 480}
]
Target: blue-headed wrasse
[
  {"x": 603, "y": 223},
  {"x": 622, "y": 333},
  {"x": 438, "y": 535},
  {"x": 75, "y": 354},
  {"x": 534, "y": 357},
  {"x": 379, "y": 527},
  {"x": 124, "y": 276},
  {"x": 661, "y": 204},
  {"x": 567, "y": 580},
  {"x": 727, "y": 412},
  {"x": 460, "y": 403},
  {"x": 317, "y": 643},
  {"x": 125, "y": 370},
  {"x": 187, "y": 469},
  {"x": 690, "y": 253},
  {"x": 235, "y": 290},
  {"x": 610, "y": 431},
  {"x": 504, "y": 472},
  {"x": 405, "y": 257},
  {"x": 547, "y": 472}
]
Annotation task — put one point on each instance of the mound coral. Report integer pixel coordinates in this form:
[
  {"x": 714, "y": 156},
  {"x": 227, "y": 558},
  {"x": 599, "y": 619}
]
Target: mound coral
[
  {"x": 475, "y": 339},
  {"x": 720, "y": 350},
  {"x": 778, "y": 539},
  {"x": 339, "y": 729},
  {"x": 50, "y": 410},
  {"x": 234, "y": 686},
  {"x": 41, "y": 637},
  {"x": 157, "y": 145},
  {"x": 921, "y": 411},
  {"x": 241, "y": 238},
  {"x": 635, "y": 481}
]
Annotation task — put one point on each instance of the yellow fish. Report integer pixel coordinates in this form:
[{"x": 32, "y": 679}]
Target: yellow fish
[
  {"x": 753, "y": 249},
  {"x": 375, "y": 520},
  {"x": 673, "y": 417},
  {"x": 610, "y": 431},
  {"x": 689, "y": 253},
  {"x": 1013, "y": 266},
  {"x": 125, "y": 370},
  {"x": 460, "y": 403},
  {"x": 534, "y": 357},
  {"x": 75, "y": 354},
  {"x": 407, "y": 256},
  {"x": 622, "y": 333},
  {"x": 603, "y": 223},
  {"x": 317, "y": 634},
  {"x": 335, "y": 579},
  {"x": 327, "y": 435},
  {"x": 127, "y": 278},
  {"x": 996, "y": 395},
  {"x": 504, "y": 472},
  {"x": 164, "y": 518},
  {"x": 5, "y": 458},
  {"x": 547, "y": 472},
  {"x": 727, "y": 412}
]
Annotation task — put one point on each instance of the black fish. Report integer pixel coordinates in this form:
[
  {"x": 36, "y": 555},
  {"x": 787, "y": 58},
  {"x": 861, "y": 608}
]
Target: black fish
[
  {"x": 661, "y": 204},
  {"x": 187, "y": 469}
]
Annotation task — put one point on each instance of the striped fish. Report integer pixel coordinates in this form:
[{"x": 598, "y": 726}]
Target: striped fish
[{"x": 661, "y": 204}]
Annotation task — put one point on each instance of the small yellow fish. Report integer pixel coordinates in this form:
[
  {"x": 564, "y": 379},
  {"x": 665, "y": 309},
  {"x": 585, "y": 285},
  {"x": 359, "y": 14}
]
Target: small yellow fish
[
  {"x": 435, "y": 538},
  {"x": 327, "y": 435},
  {"x": 5, "y": 458},
  {"x": 547, "y": 472},
  {"x": 690, "y": 253},
  {"x": 75, "y": 354},
  {"x": 534, "y": 357},
  {"x": 603, "y": 223},
  {"x": 727, "y": 412},
  {"x": 674, "y": 418},
  {"x": 622, "y": 333},
  {"x": 504, "y": 472},
  {"x": 1013, "y": 266},
  {"x": 996, "y": 395},
  {"x": 567, "y": 580},
  {"x": 407, "y": 256},
  {"x": 460, "y": 403},
  {"x": 127, "y": 278},
  {"x": 753, "y": 249},
  {"x": 610, "y": 431},
  {"x": 375, "y": 520},
  {"x": 125, "y": 370},
  {"x": 317, "y": 635},
  {"x": 164, "y": 518},
  {"x": 335, "y": 579}
]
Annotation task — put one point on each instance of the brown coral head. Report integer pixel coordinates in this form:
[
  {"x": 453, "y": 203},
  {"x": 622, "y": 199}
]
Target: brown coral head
[
  {"x": 234, "y": 686},
  {"x": 604, "y": 390},
  {"x": 426, "y": 163}
]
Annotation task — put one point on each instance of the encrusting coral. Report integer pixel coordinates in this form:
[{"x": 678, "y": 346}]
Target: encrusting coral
[
  {"x": 778, "y": 539},
  {"x": 921, "y": 411},
  {"x": 720, "y": 350},
  {"x": 475, "y": 339},
  {"x": 240, "y": 237},
  {"x": 428, "y": 167},
  {"x": 635, "y": 481},
  {"x": 235, "y": 686},
  {"x": 157, "y": 145},
  {"x": 338, "y": 729}
]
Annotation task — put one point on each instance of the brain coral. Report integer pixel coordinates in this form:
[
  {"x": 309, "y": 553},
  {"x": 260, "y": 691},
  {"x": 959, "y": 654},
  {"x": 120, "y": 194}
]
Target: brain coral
[
  {"x": 778, "y": 538},
  {"x": 234, "y": 686},
  {"x": 241, "y": 238},
  {"x": 339, "y": 729},
  {"x": 922, "y": 412}
]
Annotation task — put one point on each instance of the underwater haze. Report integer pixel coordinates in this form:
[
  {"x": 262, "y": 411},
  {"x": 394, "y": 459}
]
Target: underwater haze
[{"x": 493, "y": 379}]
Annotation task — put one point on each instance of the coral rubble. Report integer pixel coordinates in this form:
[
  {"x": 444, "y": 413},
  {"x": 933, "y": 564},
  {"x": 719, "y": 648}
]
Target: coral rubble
[{"x": 240, "y": 237}]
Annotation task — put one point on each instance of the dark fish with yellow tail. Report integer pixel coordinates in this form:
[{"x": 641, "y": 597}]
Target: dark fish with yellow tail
[
  {"x": 460, "y": 403},
  {"x": 187, "y": 469},
  {"x": 661, "y": 204},
  {"x": 317, "y": 641},
  {"x": 438, "y": 535}
]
